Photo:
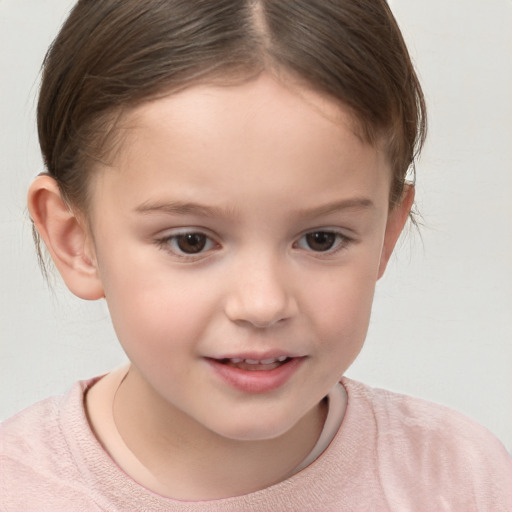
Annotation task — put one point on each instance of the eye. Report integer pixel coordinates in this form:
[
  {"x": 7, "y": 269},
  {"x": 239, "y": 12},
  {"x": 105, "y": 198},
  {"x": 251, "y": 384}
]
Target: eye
[
  {"x": 187, "y": 244},
  {"x": 322, "y": 241}
]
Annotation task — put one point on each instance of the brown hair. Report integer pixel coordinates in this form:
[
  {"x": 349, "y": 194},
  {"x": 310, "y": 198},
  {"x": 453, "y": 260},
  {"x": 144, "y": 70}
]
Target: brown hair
[{"x": 114, "y": 54}]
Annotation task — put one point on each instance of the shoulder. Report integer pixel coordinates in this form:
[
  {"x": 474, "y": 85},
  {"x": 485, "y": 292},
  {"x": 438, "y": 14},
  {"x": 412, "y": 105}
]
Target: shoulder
[
  {"x": 35, "y": 455},
  {"x": 419, "y": 441},
  {"x": 403, "y": 414},
  {"x": 31, "y": 432}
]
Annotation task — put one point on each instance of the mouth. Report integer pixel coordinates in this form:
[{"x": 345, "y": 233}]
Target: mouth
[
  {"x": 253, "y": 375},
  {"x": 255, "y": 364}
]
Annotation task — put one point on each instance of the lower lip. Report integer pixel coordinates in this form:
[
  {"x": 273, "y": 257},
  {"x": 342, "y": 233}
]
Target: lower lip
[{"x": 256, "y": 381}]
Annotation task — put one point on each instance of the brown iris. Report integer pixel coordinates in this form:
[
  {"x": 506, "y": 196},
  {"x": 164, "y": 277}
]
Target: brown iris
[
  {"x": 191, "y": 243},
  {"x": 321, "y": 240}
]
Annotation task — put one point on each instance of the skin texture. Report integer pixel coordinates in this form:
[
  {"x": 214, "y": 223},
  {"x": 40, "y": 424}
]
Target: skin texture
[{"x": 254, "y": 167}]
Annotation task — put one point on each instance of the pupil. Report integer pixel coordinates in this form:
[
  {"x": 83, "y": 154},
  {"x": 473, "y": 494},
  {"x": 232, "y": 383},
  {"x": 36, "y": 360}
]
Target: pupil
[
  {"x": 321, "y": 240},
  {"x": 191, "y": 243}
]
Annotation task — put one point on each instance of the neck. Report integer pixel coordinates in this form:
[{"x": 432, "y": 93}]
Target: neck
[{"x": 190, "y": 462}]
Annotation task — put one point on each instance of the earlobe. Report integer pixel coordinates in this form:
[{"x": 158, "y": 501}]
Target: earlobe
[
  {"x": 396, "y": 221},
  {"x": 65, "y": 237}
]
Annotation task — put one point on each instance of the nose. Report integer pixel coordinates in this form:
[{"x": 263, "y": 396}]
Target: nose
[{"x": 260, "y": 294}]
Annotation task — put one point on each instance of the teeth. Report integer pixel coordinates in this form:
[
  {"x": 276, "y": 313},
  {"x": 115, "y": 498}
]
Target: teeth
[{"x": 238, "y": 360}]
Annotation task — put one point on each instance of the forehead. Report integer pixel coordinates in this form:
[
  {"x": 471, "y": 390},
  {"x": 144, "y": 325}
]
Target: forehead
[
  {"x": 259, "y": 132},
  {"x": 249, "y": 104}
]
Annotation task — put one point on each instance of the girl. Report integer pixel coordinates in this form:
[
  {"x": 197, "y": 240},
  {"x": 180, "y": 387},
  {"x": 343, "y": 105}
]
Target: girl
[{"x": 230, "y": 177}]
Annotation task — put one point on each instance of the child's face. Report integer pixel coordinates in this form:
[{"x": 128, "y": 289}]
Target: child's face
[{"x": 286, "y": 213}]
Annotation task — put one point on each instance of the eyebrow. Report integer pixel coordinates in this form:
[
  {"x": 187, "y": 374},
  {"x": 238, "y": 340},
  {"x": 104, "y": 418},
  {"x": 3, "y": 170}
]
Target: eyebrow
[
  {"x": 180, "y": 208},
  {"x": 353, "y": 204}
]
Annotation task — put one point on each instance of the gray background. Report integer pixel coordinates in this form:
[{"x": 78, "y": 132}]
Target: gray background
[{"x": 441, "y": 326}]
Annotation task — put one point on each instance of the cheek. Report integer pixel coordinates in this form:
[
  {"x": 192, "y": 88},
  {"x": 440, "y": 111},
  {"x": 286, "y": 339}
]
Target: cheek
[
  {"x": 342, "y": 304},
  {"x": 152, "y": 306}
]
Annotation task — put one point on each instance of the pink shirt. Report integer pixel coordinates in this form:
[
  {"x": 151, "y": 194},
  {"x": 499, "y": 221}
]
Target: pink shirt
[{"x": 391, "y": 452}]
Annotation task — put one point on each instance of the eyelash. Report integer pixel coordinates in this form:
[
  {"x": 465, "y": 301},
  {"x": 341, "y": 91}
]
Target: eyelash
[
  {"x": 341, "y": 241},
  {"x": 169, "y": 243}
]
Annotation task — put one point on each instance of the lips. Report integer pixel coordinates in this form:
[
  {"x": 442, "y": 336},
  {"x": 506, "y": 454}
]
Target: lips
[{"x": 256, "y": 374}]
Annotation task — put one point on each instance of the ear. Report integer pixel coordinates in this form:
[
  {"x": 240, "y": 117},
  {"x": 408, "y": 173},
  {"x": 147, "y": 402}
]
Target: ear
[
  {"x": 396, "y": 221},
  {"x": 66, "y": 238}
]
